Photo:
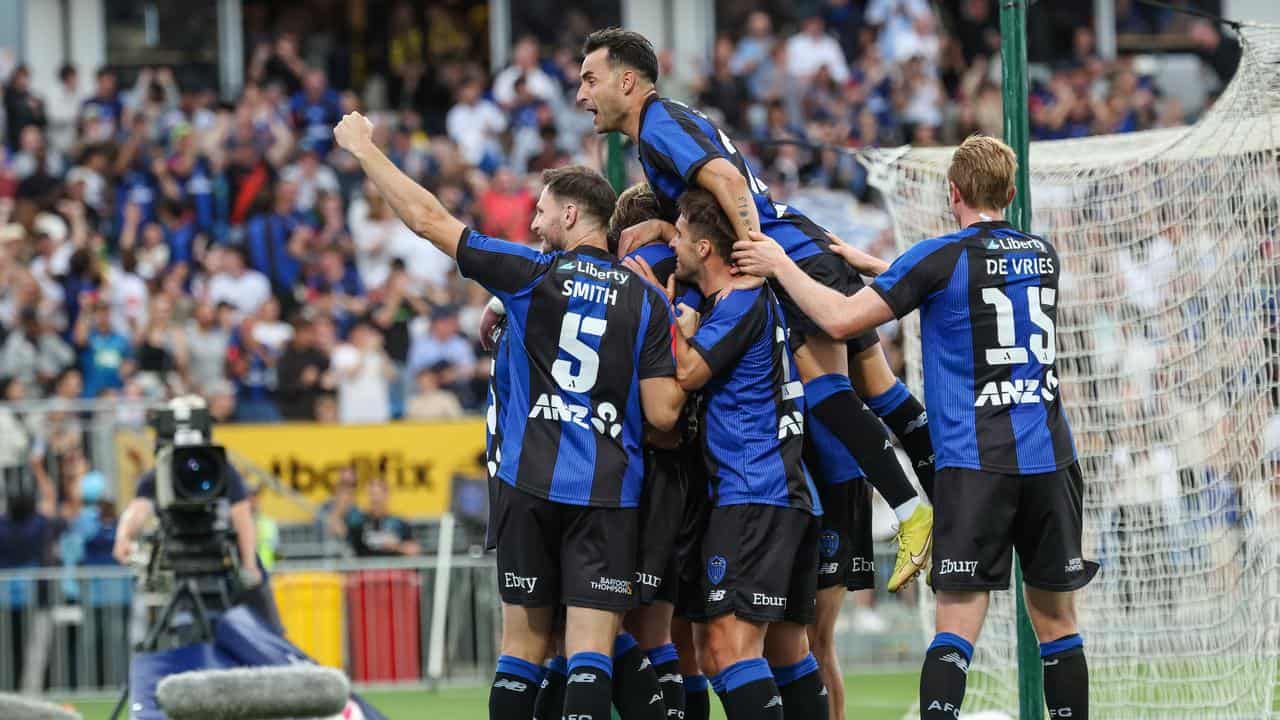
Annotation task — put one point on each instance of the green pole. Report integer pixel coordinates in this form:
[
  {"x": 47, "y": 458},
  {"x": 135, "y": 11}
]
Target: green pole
[
  {"x": 1013, "y": 61},
  {"x": 615, "y": 165}
]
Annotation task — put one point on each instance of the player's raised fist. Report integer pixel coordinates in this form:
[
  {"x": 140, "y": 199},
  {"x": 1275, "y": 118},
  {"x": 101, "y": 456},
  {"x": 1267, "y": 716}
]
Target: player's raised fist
[{"x": 354, "y": 133}]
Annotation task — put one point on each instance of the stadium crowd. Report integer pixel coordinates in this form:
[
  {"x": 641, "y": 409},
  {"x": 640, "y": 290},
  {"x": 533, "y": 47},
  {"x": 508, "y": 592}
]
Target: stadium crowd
[{"x": 154, "y": 239}]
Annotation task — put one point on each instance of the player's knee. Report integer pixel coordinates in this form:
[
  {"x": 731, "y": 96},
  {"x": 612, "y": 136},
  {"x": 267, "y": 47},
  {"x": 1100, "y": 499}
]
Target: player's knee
[
  {"x": 525, "y": 645},
  {"x": 1053, "y": 615}
]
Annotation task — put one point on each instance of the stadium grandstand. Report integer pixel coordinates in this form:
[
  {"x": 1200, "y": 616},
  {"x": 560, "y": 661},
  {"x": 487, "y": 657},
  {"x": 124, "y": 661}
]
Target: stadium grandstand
[{"x": 177, "y": 219}]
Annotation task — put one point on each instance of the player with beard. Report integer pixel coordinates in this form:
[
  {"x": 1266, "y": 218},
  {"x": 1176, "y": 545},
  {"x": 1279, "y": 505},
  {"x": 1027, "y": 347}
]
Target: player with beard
[{"x": 571, "y": 469}]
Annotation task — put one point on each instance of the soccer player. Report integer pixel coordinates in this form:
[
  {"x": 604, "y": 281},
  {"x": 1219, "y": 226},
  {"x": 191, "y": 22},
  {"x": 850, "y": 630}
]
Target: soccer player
[
  {"x": 1007, "y": 475},
  {"x": 760, "y": 548},
  {"x": 680, "y": 148},
  {"x": 590, "y": 361}
]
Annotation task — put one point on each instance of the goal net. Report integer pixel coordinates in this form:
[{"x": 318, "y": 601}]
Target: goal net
[{"x": 1167, "y": 328}]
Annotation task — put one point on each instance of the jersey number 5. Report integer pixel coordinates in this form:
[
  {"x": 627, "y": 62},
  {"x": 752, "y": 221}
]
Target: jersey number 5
[
  {"x": 588, "y": 360},
  {"x": 1041, "y": 344}
]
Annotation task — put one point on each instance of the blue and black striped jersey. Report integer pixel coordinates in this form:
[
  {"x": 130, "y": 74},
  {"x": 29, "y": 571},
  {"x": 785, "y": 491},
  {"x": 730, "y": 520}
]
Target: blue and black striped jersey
[
  {"x": 676, "y": 141},
  {"x": 988, "y": 298},
  {"x": 582, "y": 332},
  {"x": 663, "y": 261},
  {"x": 499, "y": 388},
  {"x": 752, "y": 409}
]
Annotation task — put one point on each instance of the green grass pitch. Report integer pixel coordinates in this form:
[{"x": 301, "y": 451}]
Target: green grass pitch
[{"x": 872, "y": 696}]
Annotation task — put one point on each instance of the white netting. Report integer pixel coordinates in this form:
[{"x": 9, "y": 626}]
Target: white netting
[{"x": 1166, "y": 346}]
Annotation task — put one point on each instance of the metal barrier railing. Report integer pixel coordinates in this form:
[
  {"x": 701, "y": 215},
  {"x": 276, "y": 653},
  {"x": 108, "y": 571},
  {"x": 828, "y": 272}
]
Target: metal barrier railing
[{"x": 423, "y": 620}]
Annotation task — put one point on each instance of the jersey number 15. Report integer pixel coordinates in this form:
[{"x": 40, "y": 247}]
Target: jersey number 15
[{"x": 1041, "y": 344}]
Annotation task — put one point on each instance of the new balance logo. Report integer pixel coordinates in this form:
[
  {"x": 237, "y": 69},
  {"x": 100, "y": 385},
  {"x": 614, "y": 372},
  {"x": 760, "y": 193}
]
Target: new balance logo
[
  {"x": 916, "y": 424},
  {"x": 519, "y": 582},
  {"x": 582, "y": 677},
  {"x": 791, "y": 424},
  {"x": 671, "y": 678},
  {"x": 947, "y": 567},
  {"x": 512, "y": 685},
  {"x": 958, "y": 660},
  {"x": 715, "y": 596},
  {"x": 945, "y": 707},
  {"x": 775, "y": 701},
  {"x": 1051, "y": 663}
]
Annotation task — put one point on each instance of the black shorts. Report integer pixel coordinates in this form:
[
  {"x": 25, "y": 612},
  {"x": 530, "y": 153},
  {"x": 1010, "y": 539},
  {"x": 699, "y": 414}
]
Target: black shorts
[
  {"x": 980, "y": 517},
  {"x": 666, "y": 486},
  {"x": 760, "y": 562},
  {"x": 845, "y": 547},
  {"x": 686, "y": 592},
  {"x": 550, "y": 553},
  {"x": 831, "y": 271}
]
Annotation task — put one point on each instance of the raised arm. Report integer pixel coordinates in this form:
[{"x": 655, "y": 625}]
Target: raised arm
[
  {"x": 415, "y": 205},
  {"x": 838, "y": 315},
  {"x": 722, "y": 179}
]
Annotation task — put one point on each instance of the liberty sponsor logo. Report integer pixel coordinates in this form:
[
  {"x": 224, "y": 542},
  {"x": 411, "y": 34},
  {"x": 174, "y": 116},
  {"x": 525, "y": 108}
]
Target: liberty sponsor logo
[
  {"x": 519, "y": 582},
  {"x": 613, "y": 585},
  {"x": 1008, "y": 243},
  {"x": 950, "y": 567},
  {"x": 768, "y": 600},
  {"x": 595, "y": 271}
]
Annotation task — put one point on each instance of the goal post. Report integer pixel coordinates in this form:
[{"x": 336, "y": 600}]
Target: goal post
[
  {"x": 1167, "y": 334},
  {"x": 1013, "y": 63}
]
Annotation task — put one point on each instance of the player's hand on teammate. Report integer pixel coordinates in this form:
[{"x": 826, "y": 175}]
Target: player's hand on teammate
[
  {"x": 641, "y": 234},
  {"x": 860, "y": 260},
  {"x": 687, "y": 320},
  {"x": 354, "y": 133},
  {"x": 759, "y": 256}
]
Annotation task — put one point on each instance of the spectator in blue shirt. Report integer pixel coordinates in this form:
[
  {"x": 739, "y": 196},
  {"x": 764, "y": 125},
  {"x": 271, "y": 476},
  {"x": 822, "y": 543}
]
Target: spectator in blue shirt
[
  {"x": 316, "y": 109},
  {"x": 106, "y": 356}
]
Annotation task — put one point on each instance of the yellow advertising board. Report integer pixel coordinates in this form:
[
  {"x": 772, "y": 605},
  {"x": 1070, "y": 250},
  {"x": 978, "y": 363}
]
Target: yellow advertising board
[{"x": 417, "y": 459}]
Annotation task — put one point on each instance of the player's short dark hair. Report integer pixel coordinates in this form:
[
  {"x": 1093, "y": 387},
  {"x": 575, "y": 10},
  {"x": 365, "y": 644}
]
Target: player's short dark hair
[
  {"x": 584, "y": 187},
  {"x": 635, "y": 205},
  {"x": 707, "y": 220},
  {"x": 626, "y": 47}
]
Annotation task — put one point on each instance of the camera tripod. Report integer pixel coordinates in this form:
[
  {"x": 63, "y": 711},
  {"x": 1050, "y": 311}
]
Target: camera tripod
[{"x": 187, "y": 588}]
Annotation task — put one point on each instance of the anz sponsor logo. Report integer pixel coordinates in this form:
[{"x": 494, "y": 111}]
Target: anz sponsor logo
[
  {"x": 592, "y": 270},
  {"x": 1019, "y": 391},
  {"x": 553, "y": 407}
]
